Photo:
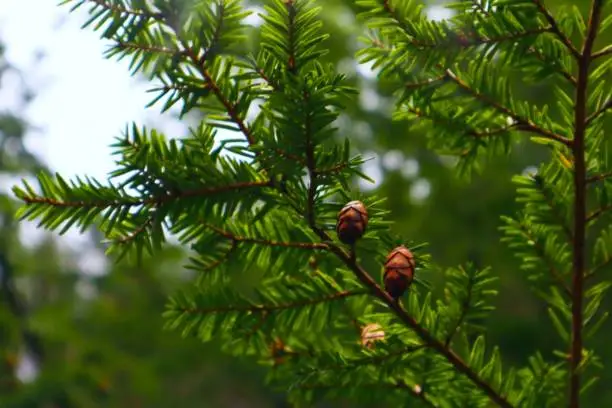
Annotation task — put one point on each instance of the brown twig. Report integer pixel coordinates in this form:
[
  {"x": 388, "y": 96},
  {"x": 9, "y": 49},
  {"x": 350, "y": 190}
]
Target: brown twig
[
  {"x": 598, "y": 267},
  {"x": 520, "y": 123},
  {"x": 597, "y": 213},
  {"x": 464, "y": 310},
  {"x": 568, "y": 76},
  {"x": 150, "y": 48},
  {"x": 134, "y": 201},
  {"x": 332, "y": 170},
  {"x": 429, "y": 81},
  {"x": 599, "y": 177},
  {"x": 525, "y": 124},
  {"x": 123, "y": 10},
  {"x": 554, "y": 27},
  {"x": 554, "y": 273},
  {"x": 599, "y": 112},
  {"x": 223, "y": 259},
  {"x": 266, "y": 242},
  {"x": 602, "y": 53},
  {"x": 579, "y": 250},
  {"x": 274, "y": 308},
  {"x": 135, "y": 233},
  {"x": 550, "y": 201},
  {"x": 465, "y": 40}
]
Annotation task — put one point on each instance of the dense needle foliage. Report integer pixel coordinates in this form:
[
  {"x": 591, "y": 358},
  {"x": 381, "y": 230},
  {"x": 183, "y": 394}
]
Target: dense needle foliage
[{"x": 258, "y": 210}]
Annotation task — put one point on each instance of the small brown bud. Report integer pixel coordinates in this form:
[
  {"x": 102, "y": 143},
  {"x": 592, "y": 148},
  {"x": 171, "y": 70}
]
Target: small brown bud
[
  {"x": 399, "y": 271},
  {"x": 370, "y": 333},
  {"x": 279, "y": 351},
  {"x": 352, "y": 222}
]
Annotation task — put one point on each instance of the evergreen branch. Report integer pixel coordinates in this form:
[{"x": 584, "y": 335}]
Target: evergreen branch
[
  {"x": 579, "y": 247},
  {"x": 598, "y": 267},
  {"x": 480, "y": 8},
  {"x": 199, "y": 63},
  {"x": 599, "y": 112},
  {"x": 277, "y": 307},
  {"x": 597, "y": 213},
  {"x": 533, "y": 50},
  {"x": 407, "y": 319},
  {"x": 124, "y": 10},
  {"x": 273, "y": 84},
  {"x": 137, "y": 232},
  {"x": 288, "y": 155},
  {"x": 333, "y": 169},
  {"x": 223, "y": 259},
  {"x": 470, "y": 132},
  {"x": 312, "y": 171},
  {"x": 415, "y": 391},
  {"x": 519, "y": 122},
  {"x": 468, "y": 41},
  {"x": 420, "y": 84},
  {"x": 542, "y": 255},
  {"x": 464, "y": 40},
  {"x": 495, "y": 132},
  {"x": 129, "y": 45},
  {"x": 550, "y": 201},
  {"x": 570, "y": 78},
  {"x": 266, "y": 242},
  {"x": 554, "y": 27},
  {"x": 603, "y": 52},
  {"x": 464, "y": 311},
  {"x": 292, "y": 15},
  {"x": 130, "y": 201},
  {"x": 370, "y": 360},
  {"x": 599, "y": 177},
  {"x": 525, "y": 124},
  {"x": 230, "y": 108},
  {"x": 215, "y": 37}
]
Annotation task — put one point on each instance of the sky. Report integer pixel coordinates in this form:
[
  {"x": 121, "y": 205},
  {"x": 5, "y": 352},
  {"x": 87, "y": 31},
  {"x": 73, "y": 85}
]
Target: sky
[{"x": 82, "y": 99}]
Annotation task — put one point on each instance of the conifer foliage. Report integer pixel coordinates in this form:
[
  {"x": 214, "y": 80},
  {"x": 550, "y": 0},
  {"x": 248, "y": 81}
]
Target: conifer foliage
[{"x": 273, "y": 280}]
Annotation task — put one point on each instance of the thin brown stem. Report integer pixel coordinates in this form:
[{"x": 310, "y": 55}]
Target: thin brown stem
[
  {"x": 266, "y": 242},
  {"x": 124, "y": 10},
  {"x": 135, "y": 201},
  {"x": 580, "y": 184},
  {"x": 598, "y": 267},
  {"x": 274, "y": 308},
  {"x": 599, "y": 177},
  {"x": 464, "y": 310},
  {"x": 552, "y": 270},
  {"x": 554, "y": 27},
  {"x": 524, "y": 124},
  {"x": 568, "y": 76},
  {"x": 603, "y": 52},
  {"x": 599, "y": 112}
]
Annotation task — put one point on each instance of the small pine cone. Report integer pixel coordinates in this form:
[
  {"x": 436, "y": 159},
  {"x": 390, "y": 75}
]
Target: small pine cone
[
  {"x": 371, "y": 333},
  {"x": 399, "y": 271},
  {"x": 279, "y": 351},
  {"x": 352, "y": 222}
]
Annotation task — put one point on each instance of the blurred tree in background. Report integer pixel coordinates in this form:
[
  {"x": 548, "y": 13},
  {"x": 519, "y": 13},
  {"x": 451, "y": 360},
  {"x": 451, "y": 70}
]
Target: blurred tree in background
[
  {"x": 98, "y": 338},
  {"x": 76, "y": 331}
]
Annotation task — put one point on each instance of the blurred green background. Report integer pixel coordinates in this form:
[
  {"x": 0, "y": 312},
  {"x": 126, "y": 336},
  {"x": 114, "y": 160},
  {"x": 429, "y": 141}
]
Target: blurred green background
[{"x": 69, "y": 339}]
